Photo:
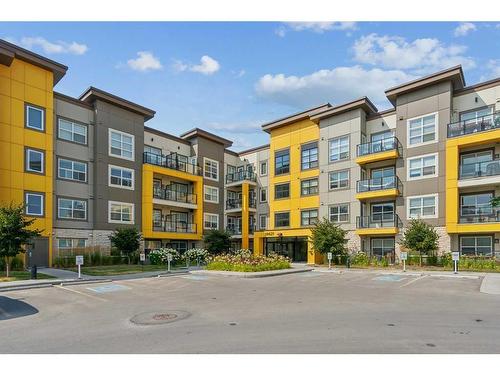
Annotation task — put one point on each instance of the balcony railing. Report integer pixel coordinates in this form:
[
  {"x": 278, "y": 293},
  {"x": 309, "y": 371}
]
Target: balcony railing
[
  {"x": 234, "y": 203},
  {"x": 375, "y": 147},
  {"x": 482, "y": 214},
  {"x": 234, "y": 230},
  {"x": 480, "y": 169},
  {"x": 241, "y": 176},
  {"x": 480, "y": 124},
  {"x": 174, "y": 227},
  {"x": 173, "y": 195},
  {"x": 389, "y": 220},
  {"x": 376, "y": 184},
  {"x": 171, "y": 162}
]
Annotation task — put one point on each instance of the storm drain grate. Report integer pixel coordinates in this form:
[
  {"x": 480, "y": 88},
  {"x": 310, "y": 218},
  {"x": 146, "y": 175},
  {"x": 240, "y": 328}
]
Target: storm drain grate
[{"x": 153, "y": 318}]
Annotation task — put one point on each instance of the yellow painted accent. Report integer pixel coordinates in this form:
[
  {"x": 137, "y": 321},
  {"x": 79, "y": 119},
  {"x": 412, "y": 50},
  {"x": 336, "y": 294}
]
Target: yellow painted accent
[
  {"x": 148, "y": 172},
  {"x": 23, "y": 83},
  {"x": 245, "y": 216},
  {"x": 377, "y": 231},
  {"x": 379, "y": 156},
  {"x": 387, "y": 193}
]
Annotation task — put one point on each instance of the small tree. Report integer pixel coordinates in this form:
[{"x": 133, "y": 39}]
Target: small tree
[
  {"x": 126, "y": 240},
  {"x": 217, "y": 241},
  {"x": 14, "y": 232},
  {"x": 421, "y": 237},
  {"x": 328, "y": 237}
]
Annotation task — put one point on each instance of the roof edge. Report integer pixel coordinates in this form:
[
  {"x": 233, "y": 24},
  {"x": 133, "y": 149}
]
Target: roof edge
[
  {"x": 198, "y": 132},
  {"x": 294, "y": 117}
]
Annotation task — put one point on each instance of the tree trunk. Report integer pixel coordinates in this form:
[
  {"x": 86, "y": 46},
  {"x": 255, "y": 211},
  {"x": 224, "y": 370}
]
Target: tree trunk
[
  {"x": 420, "y": 258},
  {"x": 7, "y": 271}
]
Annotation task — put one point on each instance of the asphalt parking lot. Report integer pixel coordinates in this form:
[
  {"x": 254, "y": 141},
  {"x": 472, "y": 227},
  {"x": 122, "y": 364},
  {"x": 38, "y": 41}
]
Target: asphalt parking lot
[{"x": 313, "y": 312}]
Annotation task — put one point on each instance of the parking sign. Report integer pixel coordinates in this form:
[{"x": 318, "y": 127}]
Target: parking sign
[
  {"x": 330, "y": 256},
  {"x": 404, "y": 256},
  {"x": 79, "y": 260},
  {"x": 142, "y": 257},
  {"x": 169, "y": 257},
  {"x": 455, "y": 255}
]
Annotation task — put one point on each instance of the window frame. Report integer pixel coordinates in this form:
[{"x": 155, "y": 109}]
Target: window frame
[
  {"x": 339, "y": 138},
  {"x": 340, "y": 187},
  {"x": 59, "y": 159},
  {"x": 436, "y": 130},
  {"x": 307, "y": 147},
  {"x": 338, "y": 205},
  {"x": 421, "y": 197},
  {"x": 263, "y": 163},
  {"x": 262, "y": 189},
  {"x": 308, "y": 210},
  {"x": 73, "y": 123},
  {"x": 205, "y": 159},
  {"x": 132, "y": 213},
  {"x": 282, "y": 184},
  {"x": 110, "y": 167},
  {"x": 281, "y": 213},
  {"x": 309, "y": 187},
  {"x": 491, "y": 237},
  {"x": 205, "y": 187},
  {"x": 27, "y": 151},
  {"x": 110, "y": 131},
  {"x": 27, "y": 107},
  {"x": 85, "y": 201},
  {"x": 208, "y": 214},
  {"x": 72, "y": 239},
  {"x": 289, "y": 161},
  {"x": 261, "y": 216},
  {"x": 42, "y": 201},
  {"x": 423, "y": 177}
]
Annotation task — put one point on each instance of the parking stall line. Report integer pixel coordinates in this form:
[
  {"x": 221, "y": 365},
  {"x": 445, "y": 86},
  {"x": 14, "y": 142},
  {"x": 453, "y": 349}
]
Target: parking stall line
[
  {"x": 412, "y": 281},
  {"x": 81, "y": 293}
]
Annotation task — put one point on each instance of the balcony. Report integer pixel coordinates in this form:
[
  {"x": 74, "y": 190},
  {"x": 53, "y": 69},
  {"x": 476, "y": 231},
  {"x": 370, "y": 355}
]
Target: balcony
[
  {"x": 167, "y": 194},
  {"x": 233, "y": 178},
  {"x": 174, "y": 227},
  {"x": 384, "y": 187},
  {"x": 480, "y": 124},
  {"x": 172, "y": 161},
  {"x": 383, "y": 224},
  {"x": 237, "y": 203},
  {"x": 385, "y": 149},
  {"x": 479, "y": 214},
  {"x": 234, "y": 230}
]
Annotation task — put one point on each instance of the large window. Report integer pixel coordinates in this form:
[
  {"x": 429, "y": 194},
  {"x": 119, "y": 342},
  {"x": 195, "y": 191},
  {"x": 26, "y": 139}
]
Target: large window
[
  {"x": 308, "y": 217},
  {"x": 72, "y": 209},
  {"x": 309, "y": 187},
  {"x": 476, "y": 115},
  {"x": 383, "y": 246},
  {"x": 263, "y": 168},
  {"x": 152, "y": 150},
  {"x": 121, "y": 177},
  {"x": 211, "y": 221},
  {"x": 422, "y": 167},
  {"x": 120, "y": 212},
  {"x": 121, "y": 145},
  {"x": 34, "y": 204},
  {"x": 211, "y": 194},
  {"x": 339, "y": 213},
  {"x": 339, "y": 180},
  {"x": 282, "y": 162},
  {"x": 339, "y": 148},
  {"x": 423, "y": 206},
  {"x": 263, "y": 221},
  {"x": 71, "y": 243},
  {"x": 422, "y": 130},
  {"x": 211, "y": 169},
  {"x": 382, "y": 212},
  {"x": 73, "y": 132},
  {"x": 72, "y": 170},
  {"x": 282, "y": 191},
  {"x": 476, "y": 204},
  {"x": 34, "y": 161},
  {"x": 476, "y": 245},
  {"x": 309, "y": 156},
  {"x": 35, "y": 118},
  {"x": 282, "y": 219}
]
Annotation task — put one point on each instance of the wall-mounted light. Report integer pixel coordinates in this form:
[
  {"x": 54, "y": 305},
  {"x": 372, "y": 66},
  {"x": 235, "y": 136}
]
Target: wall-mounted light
[{"x": 476, "y": 99}]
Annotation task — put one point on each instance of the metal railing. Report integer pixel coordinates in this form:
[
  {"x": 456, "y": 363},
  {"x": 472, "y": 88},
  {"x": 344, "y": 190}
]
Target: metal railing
[
  {"x": 174, "y": 226},
  {"x": 483, "y": 214},
  {"x": 480, "y": 169},
  {"x": 234, "y": 230},
  {"x": 169, "y": 194},
  {"x": 480, "y": 124},
  {"x": 171, "y": 162},
  {"x": 383, "y": 183},
  {"x": 374, "y": 147},
  {"x": 233, "y": 203},
  {"x": 388, "y": 220},
  {"x": 241, "y": 176}
]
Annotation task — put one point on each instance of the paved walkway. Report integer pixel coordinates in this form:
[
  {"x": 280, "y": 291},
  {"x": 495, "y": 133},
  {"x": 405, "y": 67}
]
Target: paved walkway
[{"x": 63, "y": 274}]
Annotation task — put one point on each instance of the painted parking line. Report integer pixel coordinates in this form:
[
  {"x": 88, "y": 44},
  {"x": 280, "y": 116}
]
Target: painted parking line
[
  {"x": 412, "y": 281},
  {"x": 109, "y": 288},
  {"x": 389, "y": 278},
  {"x": 80, "y": 293},
  {"x": 195, "y": 277}
]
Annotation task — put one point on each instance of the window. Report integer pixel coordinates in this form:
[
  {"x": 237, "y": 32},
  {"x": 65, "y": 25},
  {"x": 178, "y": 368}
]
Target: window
[
  {"x": 282, "y": 191},
  {"x": 339, "y": 148},
  {"x": 382, "y": 212},
  {"x": 422, "y": 130},
  {"x": 263, "y": 168},
  {"x": 211, "y": 221},
  {"x": 339, "y": 180},
  {"x": 309, "y": 187},
  {"x": 476, "y": 115},
  {"x": 282, "y": 219},
  {"x": 476, "y": 245},
  {"x": 72, "y": 209},
  {"x": 211, "y": 169},
  {"x": 383, "y": 246},
  {"x": 308, "y": 217},
  {"x": 422, "y": 167},
  {"x": 263, "y": 195},
  {"x": 34, "y": 161},
  {"x": 424, "y": 206},
  {"x": 121, "y": 145},
  {"x": 282, "y": 162},
  {"x": 263, "y": 221},
  {"x": 476, "y": 204},
  {"x": 72, "y": 170},
  {"x": 34, "y": 204},
  {"x": 70, "y": 131},
  {"x": 71, "y": 243},
  {"x": 211, "y": 194},
  {"x": 339, "y": 213},
  {"x": 121, "y": 177},
  {"x": 309, "y": 156},
  {"x": 152, "y": 150},
  {"x": 35, "y": 118},
  {"x": 120, "y": 212}
]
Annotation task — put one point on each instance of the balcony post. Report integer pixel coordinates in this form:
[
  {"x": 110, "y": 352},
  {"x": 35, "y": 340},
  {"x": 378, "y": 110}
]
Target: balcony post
[{"x": 245, "y": 191}]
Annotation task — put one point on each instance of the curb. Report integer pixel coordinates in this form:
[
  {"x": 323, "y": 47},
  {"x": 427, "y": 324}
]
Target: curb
[
  {"x": 251, "y": 275},
  {"x": 49, "y": 284}
]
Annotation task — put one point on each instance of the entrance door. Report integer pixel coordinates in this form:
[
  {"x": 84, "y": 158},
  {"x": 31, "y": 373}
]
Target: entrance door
[{"x": 39, "y": 252}]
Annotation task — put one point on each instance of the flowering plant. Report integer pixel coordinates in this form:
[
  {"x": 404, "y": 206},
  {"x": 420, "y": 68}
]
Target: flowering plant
[
  {"x": 196, "y": 254},
  {"x": 159, "y": 256},
  {"x": 243, "y": 262}
]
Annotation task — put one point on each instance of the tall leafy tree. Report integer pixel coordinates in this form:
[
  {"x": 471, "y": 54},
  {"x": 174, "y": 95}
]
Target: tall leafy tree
[
  {"x": 421, "y": 237},
  {"x": 217, "y": 241},
  {"x": 328, "y": 237},
  {"x": 14, "y": 232},
  {"x": 126, "y": 240}
]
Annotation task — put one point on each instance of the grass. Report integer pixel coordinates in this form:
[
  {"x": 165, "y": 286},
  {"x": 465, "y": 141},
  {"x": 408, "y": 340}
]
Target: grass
[
  {"x": 119, "y": 269},
  {"x": 21, "y": 275}
]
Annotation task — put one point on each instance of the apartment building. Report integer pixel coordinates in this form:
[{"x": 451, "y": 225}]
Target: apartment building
[{"x": 85, "y": 166}]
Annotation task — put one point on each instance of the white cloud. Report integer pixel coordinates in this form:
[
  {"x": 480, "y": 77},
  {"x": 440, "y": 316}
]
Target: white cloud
[
  {"x": 207, "y": 66},
  {"x": 494, "y": 69},
  {"x": 464, "y": 28},
  {"x": 420, "y": 55},
  {"x": 144, "y": 62},
  {"x": 317, "y": 27},
  {"x": 241, "y": 128},
  {"x": 60, "y": 46},
  {"x": 336, "y": 85}
]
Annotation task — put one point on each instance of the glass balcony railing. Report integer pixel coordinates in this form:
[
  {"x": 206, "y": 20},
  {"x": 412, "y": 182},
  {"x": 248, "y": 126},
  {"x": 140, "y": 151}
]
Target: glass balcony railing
[
  {"x": 480, "y": 124},
  {"x": 388, "y": 220},
  {"x": 480, "y": 169},
  {"x": 174, "y": 226},
  {"x": 375, "y": 147},
  {"x": 241, "y": 176},
  {"x": 234, "y": 230},
  {"x": 172, "y": 195},
  {"x": 376, "y": 184},
  {"x": 233, "y": 203},
  {"x": 479, "y": 214},
  {"x": 171, "y": 162}
]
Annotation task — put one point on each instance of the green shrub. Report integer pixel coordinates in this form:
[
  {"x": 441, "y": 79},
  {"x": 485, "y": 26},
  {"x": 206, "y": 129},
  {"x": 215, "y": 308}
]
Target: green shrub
[
  {"x": 245, "y": 263},
  {"x": 159, "y": 256},
  {"x": 360, "y": 259}
]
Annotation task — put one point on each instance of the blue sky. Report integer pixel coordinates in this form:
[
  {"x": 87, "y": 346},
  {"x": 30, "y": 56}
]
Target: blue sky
[{"x": 229, "y": 78}]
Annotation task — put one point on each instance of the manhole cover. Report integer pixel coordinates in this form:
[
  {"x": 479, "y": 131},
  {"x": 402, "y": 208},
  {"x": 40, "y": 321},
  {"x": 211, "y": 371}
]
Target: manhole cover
[{"x": 152, "y": 318}]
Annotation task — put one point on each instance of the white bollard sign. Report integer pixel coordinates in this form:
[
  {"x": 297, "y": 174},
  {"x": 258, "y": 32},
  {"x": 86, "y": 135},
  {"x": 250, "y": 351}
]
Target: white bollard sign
[
  {"x": 455, "y": 257},
  {"x": 169, "y": 259},
  {"x": 404, "y": 257},
  {"x": 330, "y": 257},
  {"x": 79, "y": 263}
]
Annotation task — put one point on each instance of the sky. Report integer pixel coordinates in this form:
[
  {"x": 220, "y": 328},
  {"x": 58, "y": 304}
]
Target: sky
[{"x": 230, "y": 78}]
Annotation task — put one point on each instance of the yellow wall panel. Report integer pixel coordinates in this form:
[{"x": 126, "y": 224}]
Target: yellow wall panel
[
  {"x": 4, "y": 71},
  {"x": 36, "y": 77},
  {"x": 35, "y": 96},
  {"x": 4, "y": 133},
  {"x": 5, "y": 110},
  {"x": 17, "y": 90},
  {"x": 5, "y": 149},
  {"x": 17, "y": 70},
  {"x": 5, "y": 84},
  {"x": 17, "y": 112},
  {"x": 16, "y": 135}
]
